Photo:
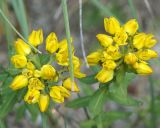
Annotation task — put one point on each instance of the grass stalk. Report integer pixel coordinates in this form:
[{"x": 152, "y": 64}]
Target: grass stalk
[
  {"x": 14, "y": 29},
  {"x": 67, "y": 28},
  {"x": 44, "y": 120}
]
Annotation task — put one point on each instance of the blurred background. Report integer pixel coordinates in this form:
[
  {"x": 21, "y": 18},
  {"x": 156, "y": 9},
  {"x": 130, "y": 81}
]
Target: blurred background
[{"x": 27, "y": 15}]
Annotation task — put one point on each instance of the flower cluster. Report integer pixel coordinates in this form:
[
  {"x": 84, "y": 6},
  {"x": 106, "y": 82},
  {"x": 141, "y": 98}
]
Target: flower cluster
[
  {"x": 122, "y": 45},
  {"x": 42, "y": 81}
]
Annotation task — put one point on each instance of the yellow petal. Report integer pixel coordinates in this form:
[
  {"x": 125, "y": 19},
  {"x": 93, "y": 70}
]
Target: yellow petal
[
  {"x": 111, "y": 25},
  {"x": 19, "y": 61},
  {"x": 104, "y": 40},
  {"x": 43, "y": 102},
  {"x": 139, "y": 40},
  {"x": 52, "y": 43},
  {"x": 72, "y": 86},
  {"x": 48, "y": 72},
  {"x": 105, "y": 75},
  {"x": 22, "y": 48},
  {"x": 19, "y": 82},
  {"x": 36, "y": 37},
  {"x": 109, "y": 65},
  {"x": 131, "y": 27},
  {"x": 130, "y": 58}
]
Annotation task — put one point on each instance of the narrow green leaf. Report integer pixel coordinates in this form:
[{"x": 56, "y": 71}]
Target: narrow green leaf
[
  {"x": 88, "y": 124},
  {"x": 78, "y": 103},
  {"x": 8, "y": 104},
  {"x": 97, "y": 101},
  {"x": 89, "y": 79}
]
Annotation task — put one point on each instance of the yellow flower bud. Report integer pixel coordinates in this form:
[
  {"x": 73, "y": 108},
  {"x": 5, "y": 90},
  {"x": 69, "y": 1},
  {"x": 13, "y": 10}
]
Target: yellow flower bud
[
  {"x": 58, "y": 93},
  {"x": 19, "y": 61},
  {"x": 121, "y": 37},
  {"x": 28, "y": 73},
  {"x": 35, "y": 83},
  {"x": 111, "y": 25},
  {"x": 146, "y": 54},
  {"x": 76, "y": 65},
  {"x": 22, "y": 48},
  {"x": 72, "y": 86},
  {"x": 139, "y": 40},
  {"x": 130, "y": 58},
  {"x": 62, "y": 58},
  {"x": 37, "y": 73},
  {"x": 52, "y": 43},
  {"x": 19, "y": 82},
  {"x": 94, "y": 58},
  {"x": 109, "y": 65},
  {"x": 43, "y": 102},
  {"x": 32, "y": 96},
  {"x": 105, "y": 75},
  {"x": 142, "y": 68},
  {"x": 104, "y": 40},
  {"x": 131, "y": 27},
  {"x": 36, "y": 37},
  {"x": 48, "y": 72},
  {"x": 30, "y": 66},
  {"x": 150, "y": 41}
]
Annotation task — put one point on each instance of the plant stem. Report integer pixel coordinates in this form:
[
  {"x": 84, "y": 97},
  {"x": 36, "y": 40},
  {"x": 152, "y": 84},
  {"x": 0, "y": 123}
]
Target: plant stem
[
  {"x": 66, "y": 22},
  {"x": 11, "y": 25},
  {"x": 152, "y": 102},
  {"x": 44, "y": 120}
]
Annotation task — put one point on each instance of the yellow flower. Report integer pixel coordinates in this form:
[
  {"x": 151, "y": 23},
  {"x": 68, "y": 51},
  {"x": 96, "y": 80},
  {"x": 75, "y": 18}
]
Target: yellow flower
[
  {"x": 130, "y": 58},
  {"x": 121, "y": 37},
  {"x": 28, "y": 73},
  {"x": 22, "y": 48},
  {"x": 105, "y": 75},
  {"x": 37, "y": 73},
  {"x": 111, "y": 25},
  {"x": 35, "y": 83},
  {"x": 36, "y": 37},
  {"x": 63, "y": 46},
  {"x": 142, "y": 68},
  {"x": 62, "y": 58},
  {"x": 58, "y": 93},
  {"x": 139, "y": 40},
  {"x": 48, "y": 72},
  {"x": 72, "y": 86},
  {"x": 146, "y": 54},
  {"x": 131, "y": 27},
  {"x": 94, "y": 58},
  {"x": 19, "y": 61},
  {"x": 32, "y": 96},
  {"x": 113, "y": 51},
  {"x": 52, "y": 43},
  {"x": 43, "y": 102},
  {"x": 19, "y": 82},
  {"x": 76, "y": 65},
  {"x": 109, "y": 65},
  {"x": 104, "y": 40},
  {"x": 30, "y": 66},
  {"x": 150, "y": 41}
]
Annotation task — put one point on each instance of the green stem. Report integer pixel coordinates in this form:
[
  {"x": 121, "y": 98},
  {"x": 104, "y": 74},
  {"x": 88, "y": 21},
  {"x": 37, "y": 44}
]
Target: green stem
[
  {"x": 44, "y": 120},
  {"x": 66, "y": 22},
  {"x": 152, "y": 102},
  {"x": 11, "y": 25}
]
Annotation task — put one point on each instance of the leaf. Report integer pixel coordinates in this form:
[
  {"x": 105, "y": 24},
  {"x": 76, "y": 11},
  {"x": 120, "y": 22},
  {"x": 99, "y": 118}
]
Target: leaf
[
  {"x": 97, "y": 101},
  {"x": 8, "y": 104},
  {"x": 3, "y": 76},
  {"x": 44, "y": 58},
  {"x": 20, "y": 112},
  {"x": 78, "y": 103},
  {"x": 118, "y": 91},
  {"x": 89, "y": 79},
  {"x": 88, "y": 124}
]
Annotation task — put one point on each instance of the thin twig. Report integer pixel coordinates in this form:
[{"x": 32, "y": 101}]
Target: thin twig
[
  {"x": 81, "y": 33},
  {"x": 11, "y": 25}
]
